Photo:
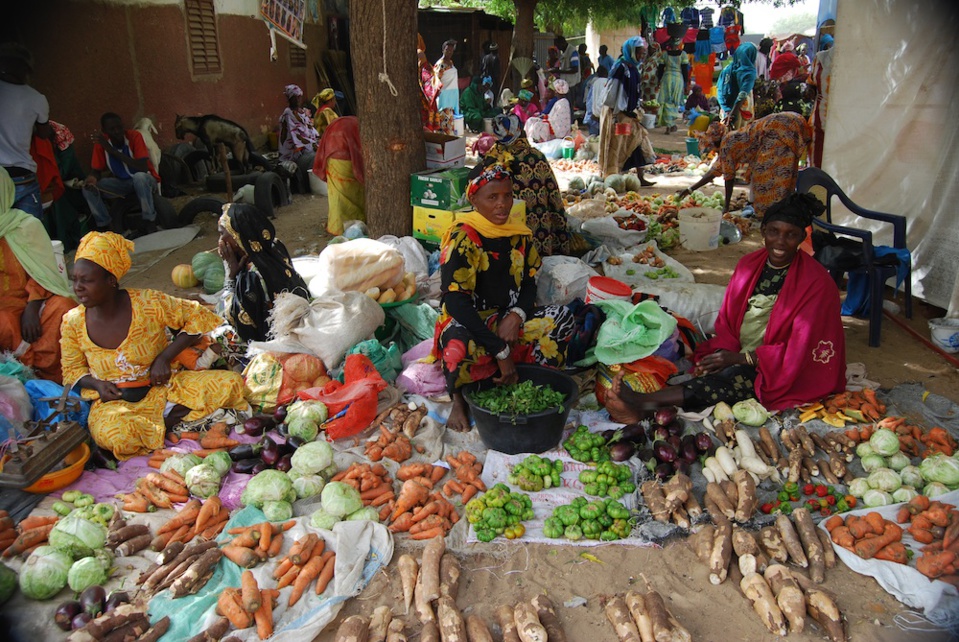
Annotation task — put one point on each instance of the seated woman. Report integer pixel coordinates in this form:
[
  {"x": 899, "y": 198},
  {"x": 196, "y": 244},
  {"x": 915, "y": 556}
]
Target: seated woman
[
  {"x": 297, "y": 135},
  {"x": 325, "y": 104},
  {"x": 555, "y": 121},
  {"x": 259, "y": 268},
  {"x": 488, "y": 321},
  {"x": 34, "y": 296},
  {"x": 779, "y": 335},
  {"x": 339, "y": 162},
  {"x": 524, "y": 107},
  {"x": 115, "y": 347},
  {"x": 476, "y": 105}
]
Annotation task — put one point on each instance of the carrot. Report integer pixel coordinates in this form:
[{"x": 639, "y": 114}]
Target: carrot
[
  {"x": 248, "y": 539},
  {"x": 183, "y": 534},
  {"x": 429, "y": 533},
  {"x": 249, "y": 592},
  {"x": 289, "y": 576},
  {"x": 33, "y": 521},
  {"x": 285, "y": 565},
  {"x": 209, "y": 510},
  {"x": 309, "y": 572},
  {"x": 939, "y": 516},
  {"x": 157, "y": 497},
  {"x": 386, "y": 511},
  {"x": 401, "y": 523},
  {"x": 205, "y": 452},
  {"x": 936, "y": 564},
  {"x": 241, "y": 556},
  {"x": 329, "y": 564},
  {"x": 383, "y": 499},
  {"x": 951, "y": 533},
  {"x": 215, "y": 529},
  {"x": 228, "y": 604},
  {"x": 217, "y": 442},
  {"x": 29, "y": 538},
  {"x": 833, "y": 522},
  {"x": 376, "y": 491},
  {"x": 186, "y": 515},
  {"x": 842, "y": 537},
  {"x": 895, "y": 552},
  {"x": 858, "y": 527},
  {"x": 469, "y": 492},
  {"x": 275, "y": 546},
  {"x": 194, "y": 435},
  {"x": 412, "y": 494},
  {"x": 424, "y": 512},
  {"x": 876, "y": 521},
  {"x": 867, "y": 548},
  {"x": 301, "y": 549},
  {"x": 921, "y": 535},
  {"x": 264, "y": 616}
]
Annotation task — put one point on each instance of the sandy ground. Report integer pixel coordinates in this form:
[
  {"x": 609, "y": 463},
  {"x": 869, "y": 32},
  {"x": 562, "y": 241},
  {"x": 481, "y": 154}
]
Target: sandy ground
[{"x": 507, "y": 572}]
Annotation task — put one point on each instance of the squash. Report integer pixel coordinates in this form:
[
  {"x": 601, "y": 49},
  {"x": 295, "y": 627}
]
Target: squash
[
  {"x": 203, "y": 260},
  {"x": 213, "y": 277},
  {"x": 596, "y": 187},
  {"x": 633, "y": 183},
  {"x": 616, "y": 182},
  {"x": 577, "y": 183},
  {"x": 183, "y": 276}
]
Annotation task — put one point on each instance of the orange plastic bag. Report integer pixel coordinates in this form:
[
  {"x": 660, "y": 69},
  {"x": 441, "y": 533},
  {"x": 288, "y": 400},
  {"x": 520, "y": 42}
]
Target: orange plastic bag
[
  {"x": 644, "y": 375},
  {"x": 351, "y": 404}
]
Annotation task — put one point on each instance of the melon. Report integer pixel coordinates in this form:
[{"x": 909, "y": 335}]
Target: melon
[
  {"x": 202, "y": 261},
  {"x": 213, "y": 277},
  {"x": 183, "y": 276}
]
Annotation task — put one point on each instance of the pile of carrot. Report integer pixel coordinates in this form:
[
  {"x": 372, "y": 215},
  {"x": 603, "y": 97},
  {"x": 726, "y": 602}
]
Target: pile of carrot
[
  {"x": 254, "y": 544},
  {"x": 421, "y": 513},
  {"x": 307, "y": 560},
  {"x": 216, "y": 438},
  {"x": 938, "y": 440},
  {"x": 936, "y": 525},
  {"x": 195, "y": 519},
  {"x": 466, "y": 480},
  {"x": 870, "y": 537},
  {"x": 31, "y": 532},
  {"x": 865, "y": 401},
  {"x": 249, "y": 605},
  {"x": 156, "y": 490},
  {"x": 392, "y": 445},
  {"x": 374, "y": 484}
]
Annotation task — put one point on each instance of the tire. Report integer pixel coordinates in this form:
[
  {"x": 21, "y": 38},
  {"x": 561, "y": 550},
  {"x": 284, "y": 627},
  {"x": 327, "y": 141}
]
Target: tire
[
  {"x": 198, "y": 163},
  {"x": 199, "y": 205},
  {"x": 217, "y": 182},
  {"x": 260, "y": 161},
  {"x": 166, "y": 216},
  {"x": 181, "y": 150},
  {"x": 269, "y": 193},
  {"x": 174, "y": 171}
]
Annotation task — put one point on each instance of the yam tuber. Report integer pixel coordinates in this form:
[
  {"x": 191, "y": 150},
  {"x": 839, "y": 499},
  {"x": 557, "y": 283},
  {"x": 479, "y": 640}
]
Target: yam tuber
[
  {"x": 449, "y": 576},
  {"x": 772, "y": 543},
  {"x": 507, "y": 623},
  {"x": 619, "y": 616},
  {"x": 655, "y": 500},
  {"x": 791, "y": 540},
  {"x": 721, "y": 553},
  {"x": 355, "y": 628},
  {"x": 528, "y": 626},
  {"x": 822, "y": 608},
  {"x": 744, "y": 543},
  {"x": 424, "y": 607},
  {"x": 810, "y": 541},
  {"x": 658, "y": 615},
  {"x": 430, "y": 567},
  {"x": 408, "y": 569},
  {"x": 637, "y": 608},
  {"x": 379, "y": 623},
  {"x": 430, "y": 632},
  {"x": 476, "y": 629},
  {"x": 755, "y": 588},
  {"x": 747, "y": 502},
  {"x": 676, "y": 491},
  {"x": 452, "y": 626},
  {"x": 548, "y": 618},
  {"x": 829, "y": 555},
  {"x": 394, "y": 633},
  {"x": 714, "y": 493},
  {"x": 789, "y": 596},
  {"x": 702, "y": 542}
]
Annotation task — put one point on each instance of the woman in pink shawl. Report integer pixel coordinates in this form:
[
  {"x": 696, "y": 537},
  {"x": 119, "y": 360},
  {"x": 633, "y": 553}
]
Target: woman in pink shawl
[{"x": 779, "y": 334}]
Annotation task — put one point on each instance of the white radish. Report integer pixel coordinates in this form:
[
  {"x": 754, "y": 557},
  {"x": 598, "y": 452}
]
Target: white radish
[
  {"x": 745, "y": 444},
  {"x": 716, "y": 469},
  {"x": 725, "y": 458},
  {"x": 708, "y": 474}
]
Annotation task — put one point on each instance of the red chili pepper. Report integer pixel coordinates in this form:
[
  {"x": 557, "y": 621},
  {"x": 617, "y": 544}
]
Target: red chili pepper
[
  {"x": 821, "y": 491},
  {"x": 808, "y": 489}
]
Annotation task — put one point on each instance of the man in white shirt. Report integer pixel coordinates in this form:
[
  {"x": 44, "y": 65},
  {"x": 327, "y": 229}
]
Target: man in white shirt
[{"x": 23, "y": 110}]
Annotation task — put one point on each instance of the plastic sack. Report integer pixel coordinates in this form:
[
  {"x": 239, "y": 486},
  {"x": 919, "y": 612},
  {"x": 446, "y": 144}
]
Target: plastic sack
[
  {"x": 415, "y": 322},
  {"x": 608, "y": 231},
  {"x": 328, "y": 326},
  {"x": 414, "y": 256},
  {"x": 631, "y": 332},
  {"x": 272, "y": 379},
  {"x": 40, "y": 389},
  {"x": 643, "y": 375},
  {"x": 562, "y": 279},
  {"x": 698, "y": 302},
  {"x": 551, "y": 148},
  {"x": 357, "y": 266},
  {"x": 355, "y": 230},
  {"x": 351, "y": 404},
  {"x": 15, "y": 405},
  {"x": 386, "y": 360},
  {"x": 419, "y": 378}
]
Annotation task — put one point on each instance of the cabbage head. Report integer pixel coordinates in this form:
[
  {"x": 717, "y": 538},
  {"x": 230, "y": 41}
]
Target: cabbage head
[
  {"x": 934, "y": 489},
  {"x": 86, "y": 572},
  {"x": 303, "y": 428},
  {"x": 911, "y": 476},
  {"x": 8, "y": 583},
  {"x": 872, "y": 462},
  {"x": 44, "y": 574},
  {"x": 203, "y": 481},
  {"x": 873, "y": 498},
  {"x": 181, "y": 463},
  {"x": 904, "y": 494},
  {"x": 942, "y": 469},
  {"x": 367, "y": 513},
  {"x": 322, "y": 519},
  {"x": 313, "y": 410},
  {"x": 884, "y": 479},
  {"x": 885, "y": 442},
  {"x": 278, "y": 511},
  {"x": 77, "y": 537},
  {"x": 750, "y": 412},
  {"x": 308, "y": 485},
  {"x": 864, "y": 450},
  {"x": 858, "y": 487},
  {"x": 220, "y": 462},
  {"x": 268, "y": 485},
  {"x": 899, "y": 461},
  {"x": 340, "y": 499},
  {"x": 313, "y": 457}
]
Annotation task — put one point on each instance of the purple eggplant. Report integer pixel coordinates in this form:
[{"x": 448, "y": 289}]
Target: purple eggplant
[
  {"x": 245, "y": 466},
  {"x": 683, "y": 466},
  {"x": 689, "y": 452},
  {"x": 621, "y": 450},
  {"x": 270, "y": 453},
  {"x": 674, "y": 428},
  {"x": 295, "y": 442},
  {"x": 703, "y": 441},
  {"x": 81, "y": 620},
  {"x": 115, "y": 599},
  {"x": 284, "y": 463},
  {"x": 664, "y": 471},
  {"x": 664, "y": 451},
  {"x": 659, "y": 433},
  {"x": 675, "y": 442},
  {"x": 65, "y": 614},
  {"x": 257, "y": 425},
  {"x": 279, "y": 415},
  {"x": 286, "y": 448},
  {"x": 92, "y": 600},
  {"x": 634, "y": 433},
  {"x": 664, "y": 416},
  {"x": 608, "y": 435},
  {"x": 244, "y": 451},
  {"x": 259, "y": 468}
]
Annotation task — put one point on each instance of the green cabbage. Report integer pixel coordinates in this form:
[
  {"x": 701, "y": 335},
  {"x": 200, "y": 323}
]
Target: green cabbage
[
  {"x": 722, "y": 412},
  {"x": 367, "y": 513},
  {"x": 86, "y": 572},
  {"x": 203, "y": 481},
  {"x": 940, "y": 468},
  {"x": 934, "y": 489},
  {"x": 873, "y": 498},
  {"x": 340, "y": 499},
  {"x": 884, "y": 479},
  {"x": 268, "y": 485},
  {"x": 330, "y": 471},
  {"x": 308, "y": 485},
  {"x": 313, "y": 457},
  {"x": 911, "y": 476},
  {"x": 303, "y": 428},
  {"x": 872, "y": 462},
  {"x": 322, "y": 519},
  {"x": 77, "y": 537},
  {"x": 277, "y": 511},
  {"x": 858, "y": 487},
  {"x": 45, "y": 573},
  {"x": 904, "y": 494},
  {"x": 181, "y": 463},
  {"x": 884, "y": 442},
  {"x": 864, "y": 450},
  {"x": 313, "y": 410},
  {"x": 220, "y": 462},
  {"x": 8, "y": 583},
  {"x": 899, "y": 461},
  {"x": 750, "y": 412}
]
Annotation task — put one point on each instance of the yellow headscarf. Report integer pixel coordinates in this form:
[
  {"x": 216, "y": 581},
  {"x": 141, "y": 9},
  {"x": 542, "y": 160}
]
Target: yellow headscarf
[
  {"x": 108, "y": 250},
  {"x": 480, "y": 223}
]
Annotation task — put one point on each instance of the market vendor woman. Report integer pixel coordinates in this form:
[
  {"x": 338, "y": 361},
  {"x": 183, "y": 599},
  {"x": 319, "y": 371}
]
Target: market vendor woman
[
  {"x": 115, "y": 347},
  {"x": 488, "y": 321},
  {"x": 779, "y": 335}
]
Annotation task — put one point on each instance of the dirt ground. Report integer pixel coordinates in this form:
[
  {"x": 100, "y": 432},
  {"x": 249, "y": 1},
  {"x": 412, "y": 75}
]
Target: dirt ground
[{"x": 500, "y": 573}]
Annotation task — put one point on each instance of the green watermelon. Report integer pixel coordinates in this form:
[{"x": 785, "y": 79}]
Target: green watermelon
[
  {"x": 213, "y": 277},
  {"x": 202, "y": 261}
]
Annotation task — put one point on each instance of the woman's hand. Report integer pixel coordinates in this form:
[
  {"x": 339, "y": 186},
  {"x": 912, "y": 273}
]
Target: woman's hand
[
  {"x": 507, "y": 372},
  {"x": 30, "y": 329},
  {"x": 508, "y": 328},
  {"x": 719, "y": 361},
  {"x": 233, "y": 262},
  {"x": 160, "y": 371},
  {"x": 107, "y": 390},
  {"x": 683, "y": 193}
]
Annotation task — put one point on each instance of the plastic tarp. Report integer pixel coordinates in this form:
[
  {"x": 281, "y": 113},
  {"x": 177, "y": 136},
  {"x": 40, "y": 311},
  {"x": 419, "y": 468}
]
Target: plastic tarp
[{"x": 891, "y": 133}]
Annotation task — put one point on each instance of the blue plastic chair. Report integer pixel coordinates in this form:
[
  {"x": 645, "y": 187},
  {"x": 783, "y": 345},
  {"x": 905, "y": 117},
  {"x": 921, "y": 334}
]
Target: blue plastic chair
[{"x": 815, "y": 181}]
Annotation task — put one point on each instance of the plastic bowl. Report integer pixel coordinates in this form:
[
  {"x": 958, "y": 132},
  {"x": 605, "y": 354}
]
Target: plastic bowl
[
  {"x": 515, "y": 434},
  {"x": 58, "y": 479}
]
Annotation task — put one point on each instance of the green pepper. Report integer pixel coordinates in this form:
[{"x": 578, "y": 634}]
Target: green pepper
[
  {"x": 783, "y": 496},
  {"x": 61, "y": 508},
  {"x": 104, "y": 511},
  {"x": 616, "y": 492},
  {"x": 494, "y": 517},
  {"x": 485, "y": 535},
  {"x": 578, "y": 502},
  {"x": 791, "y": 487},
  {"x": 84, "y": 500},
  {"x": 621, "y": 527},
  {"x": 628, "y": 487},
  {"x": 514, "y": 507},
  {"x": 71, "y": 496},
  {"x": 841, "y": 506},
  {"x": 602, "y": 490},
  {"x": 616, "y": 510},
  {"x": 528, "y": 514},
  {"x": 588, "y": 476},
  {"x": 558, "y": 466},
  {"x": 573, "y": 532},
  {"x": 794, "y": 497},
  {"x": 605, "y": 520},
  {"x": 591, "y": 529},
  {"x": 553, "y": 527},
  {"x": 513, "y": 519}
]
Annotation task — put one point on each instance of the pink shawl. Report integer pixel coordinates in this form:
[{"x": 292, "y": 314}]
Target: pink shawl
[{"x": 803, "y": 355}]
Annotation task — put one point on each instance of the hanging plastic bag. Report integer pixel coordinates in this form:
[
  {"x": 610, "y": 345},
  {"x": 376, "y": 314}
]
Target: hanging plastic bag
[
  {"x": 578, "y": 139},
  {"x": 272, "y": 379},
  {"x": 352, "y": 404}
]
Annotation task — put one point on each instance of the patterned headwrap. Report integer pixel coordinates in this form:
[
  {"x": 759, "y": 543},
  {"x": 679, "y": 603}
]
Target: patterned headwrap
[
  {"x": 108, "y": 250},
  {"x": 561, "y": 87},
  {"x": 488, "y": 174},
  {"x": 526, "y": 84},
  {"x": 795, "y": 209},
  {"x": 292, "y": 90},
  {"x": 327, "y": 95},
  {"x": 525, "y": 94},
  {"x": 506, "y": 128},
  {"x": 62, "y": 137},
  {"x": 713, "y": 136}
]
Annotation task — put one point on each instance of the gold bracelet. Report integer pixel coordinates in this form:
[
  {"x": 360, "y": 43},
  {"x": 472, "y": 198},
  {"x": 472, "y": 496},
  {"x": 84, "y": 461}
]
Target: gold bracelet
[{"x": 749, "y": 359}]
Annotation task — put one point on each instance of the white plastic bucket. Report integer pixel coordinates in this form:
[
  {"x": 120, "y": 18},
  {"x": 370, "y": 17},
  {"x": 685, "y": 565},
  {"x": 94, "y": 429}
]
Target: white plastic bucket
[
  {"x": 699, "y": 228},
  {"x": 459, "y": 126},
  {"x": 488, "y": 125},
  {"x": 603, "y": 288},
  {"x": 649, "y": 121},
  {"x": 58, "y": 255},
  {"x": 945, "y": 334}
]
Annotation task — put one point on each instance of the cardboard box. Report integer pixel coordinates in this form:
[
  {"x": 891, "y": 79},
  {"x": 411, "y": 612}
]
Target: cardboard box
[
  {"x": 429, "y": 225},
  {"x": 440, "y": 189},
  {"x": 444, "y": 151}
]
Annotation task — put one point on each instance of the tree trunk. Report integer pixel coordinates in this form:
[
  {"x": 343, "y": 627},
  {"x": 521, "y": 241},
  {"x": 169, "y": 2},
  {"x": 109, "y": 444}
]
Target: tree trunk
[
  {"x": 391, "y": 133},
  {"x": 523, "y": 32}
]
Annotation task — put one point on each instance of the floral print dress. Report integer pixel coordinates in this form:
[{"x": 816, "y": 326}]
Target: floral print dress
[{"x": 482, "y": 279}]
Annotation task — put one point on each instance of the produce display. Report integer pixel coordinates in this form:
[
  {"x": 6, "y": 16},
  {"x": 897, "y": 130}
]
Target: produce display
[
  {"x": 638, "y": 616},
  {"x": 673, "y": 501},
  {"x": 845, "y": 407},
  {"x": 608, "y": 479},
  {"x": 524, "y": 398},
  {"x": 586, "y": 446},
  {"x": 536, "y": 473},
  {"x": 499, "y": 511},
  {"x": 604, "y": 520}
]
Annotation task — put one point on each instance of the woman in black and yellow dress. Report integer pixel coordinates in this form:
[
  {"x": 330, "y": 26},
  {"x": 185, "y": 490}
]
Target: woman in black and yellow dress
[{"x": 488, "y": 321}]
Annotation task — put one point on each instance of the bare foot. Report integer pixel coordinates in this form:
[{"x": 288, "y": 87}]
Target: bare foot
[
  {"x": 620, "y": 411},
  {"x": 645, "y": 182},
  {"x": 459, "y": 419}
]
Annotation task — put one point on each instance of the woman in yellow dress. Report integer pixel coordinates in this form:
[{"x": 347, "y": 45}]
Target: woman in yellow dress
[
  {"x": 115, "y": 347},
  {"x": 324, "y": 103},
  {"x": 339, "y": 162}
]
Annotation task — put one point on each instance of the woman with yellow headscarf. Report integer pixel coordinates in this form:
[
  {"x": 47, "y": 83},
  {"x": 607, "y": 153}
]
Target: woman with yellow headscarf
[
  {"x": 116, "y": 348},
  {"x": 324, "y": 102}
]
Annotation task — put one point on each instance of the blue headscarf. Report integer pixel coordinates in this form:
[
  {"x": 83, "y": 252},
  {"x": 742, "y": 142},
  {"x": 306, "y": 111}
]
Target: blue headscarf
[
  {"x": 625, "y": 71},
  {"x": 825, "y": 41},
  {"x": 737, "y": 79}
]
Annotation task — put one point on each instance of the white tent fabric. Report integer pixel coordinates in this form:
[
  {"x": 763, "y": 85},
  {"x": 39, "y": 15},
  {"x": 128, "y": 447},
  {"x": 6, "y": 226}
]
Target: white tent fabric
[{"x": 891, "y": 135}]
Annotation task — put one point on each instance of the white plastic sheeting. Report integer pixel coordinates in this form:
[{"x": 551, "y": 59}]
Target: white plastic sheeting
[{"x": 891, "y": 135}]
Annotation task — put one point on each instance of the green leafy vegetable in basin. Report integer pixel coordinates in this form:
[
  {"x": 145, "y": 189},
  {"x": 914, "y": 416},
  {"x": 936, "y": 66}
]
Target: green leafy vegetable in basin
[{"x": 525, "y": 398}]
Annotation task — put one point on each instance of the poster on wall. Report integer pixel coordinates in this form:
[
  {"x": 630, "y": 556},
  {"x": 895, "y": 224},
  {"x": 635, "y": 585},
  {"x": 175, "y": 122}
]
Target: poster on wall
[{"x": 285, "y": 17}]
